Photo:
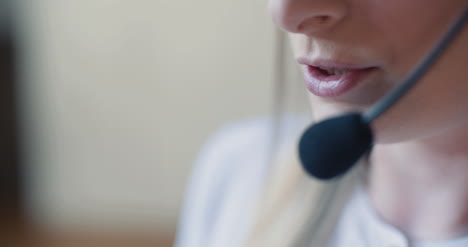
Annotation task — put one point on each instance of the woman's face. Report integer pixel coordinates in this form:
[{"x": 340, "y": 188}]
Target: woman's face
[{"x": 387, "y": 38}]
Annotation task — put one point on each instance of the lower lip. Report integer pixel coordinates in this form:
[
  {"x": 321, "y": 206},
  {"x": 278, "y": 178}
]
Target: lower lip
[{"x": 324, "y": 85}]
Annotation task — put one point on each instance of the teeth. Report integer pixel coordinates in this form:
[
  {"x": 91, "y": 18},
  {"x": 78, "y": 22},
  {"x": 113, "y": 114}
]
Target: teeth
[{"x": 335, "y": 71}]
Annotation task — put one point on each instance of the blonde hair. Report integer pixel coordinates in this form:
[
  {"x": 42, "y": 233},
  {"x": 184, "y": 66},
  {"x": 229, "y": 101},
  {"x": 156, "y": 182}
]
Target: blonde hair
[{"x": 297, "y": 210}]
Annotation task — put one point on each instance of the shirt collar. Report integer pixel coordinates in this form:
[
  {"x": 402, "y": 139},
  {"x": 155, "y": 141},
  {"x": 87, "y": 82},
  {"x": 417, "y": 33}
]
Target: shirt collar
[{"x": 377, "y": 232}]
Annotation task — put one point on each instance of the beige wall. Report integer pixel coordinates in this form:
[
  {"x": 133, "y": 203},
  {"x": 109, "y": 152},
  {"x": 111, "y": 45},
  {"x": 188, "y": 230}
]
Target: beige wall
[{"x": 119, "y": 95}]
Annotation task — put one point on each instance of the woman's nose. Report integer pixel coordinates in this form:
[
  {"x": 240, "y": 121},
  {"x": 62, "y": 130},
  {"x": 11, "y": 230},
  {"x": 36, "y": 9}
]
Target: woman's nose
[{"x": 306, "y": 16}]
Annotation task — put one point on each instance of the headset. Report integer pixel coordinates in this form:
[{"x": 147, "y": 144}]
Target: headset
[{"x": 330, "y": 148}]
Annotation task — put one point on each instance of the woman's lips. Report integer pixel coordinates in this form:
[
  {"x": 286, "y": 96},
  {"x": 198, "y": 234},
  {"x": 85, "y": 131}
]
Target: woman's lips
[{"x": 322, "y": 84}]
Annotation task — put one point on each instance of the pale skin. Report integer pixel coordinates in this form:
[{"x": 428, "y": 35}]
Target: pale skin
[{"x": 419, "y": 167}]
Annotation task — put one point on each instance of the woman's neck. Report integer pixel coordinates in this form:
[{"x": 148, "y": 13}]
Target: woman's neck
[{"x": 422, "y": 187}]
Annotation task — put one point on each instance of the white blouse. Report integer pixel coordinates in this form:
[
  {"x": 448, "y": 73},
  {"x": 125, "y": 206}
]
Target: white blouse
[
  {"x": 359, "y": 225},
  {"x": 226, "y": 181}
]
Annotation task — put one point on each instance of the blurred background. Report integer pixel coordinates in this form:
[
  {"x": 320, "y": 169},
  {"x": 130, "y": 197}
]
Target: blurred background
[{"x": 105, "y": 104}]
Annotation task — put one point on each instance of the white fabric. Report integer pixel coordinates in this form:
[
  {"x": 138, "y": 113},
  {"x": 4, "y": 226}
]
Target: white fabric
[
  {"x": 227, "y": 179},
  {"x": 359, "y": 225}
]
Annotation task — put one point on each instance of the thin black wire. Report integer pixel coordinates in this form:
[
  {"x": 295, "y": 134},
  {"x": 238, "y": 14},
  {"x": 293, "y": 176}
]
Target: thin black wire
[{"x": 384, "y": 104}]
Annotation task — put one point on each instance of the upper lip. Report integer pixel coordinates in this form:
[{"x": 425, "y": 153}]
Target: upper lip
[{"x": 330, "y": 64}]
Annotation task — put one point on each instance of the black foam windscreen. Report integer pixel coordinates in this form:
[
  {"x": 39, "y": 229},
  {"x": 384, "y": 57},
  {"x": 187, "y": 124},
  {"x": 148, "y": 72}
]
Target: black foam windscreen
[{"x": 330, "y": 148}]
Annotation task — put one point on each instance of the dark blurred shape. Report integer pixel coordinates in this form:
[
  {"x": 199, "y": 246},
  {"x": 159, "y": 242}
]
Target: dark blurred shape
[
  {"x": 10, "y": 199},
  {"x": 12, "y": 227}
]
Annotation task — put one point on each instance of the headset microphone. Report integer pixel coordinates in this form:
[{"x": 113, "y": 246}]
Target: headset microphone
[{"x": 330, "y": 148}]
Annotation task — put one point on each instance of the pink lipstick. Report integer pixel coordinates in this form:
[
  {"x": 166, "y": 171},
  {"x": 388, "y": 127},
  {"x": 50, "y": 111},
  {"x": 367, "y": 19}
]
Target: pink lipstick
[{"x": 326, "y": 78}]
